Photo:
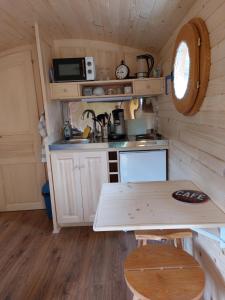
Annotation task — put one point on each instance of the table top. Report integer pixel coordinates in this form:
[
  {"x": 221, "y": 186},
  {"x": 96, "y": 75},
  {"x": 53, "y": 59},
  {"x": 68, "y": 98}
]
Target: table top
[{"x": 150, "y": 205}]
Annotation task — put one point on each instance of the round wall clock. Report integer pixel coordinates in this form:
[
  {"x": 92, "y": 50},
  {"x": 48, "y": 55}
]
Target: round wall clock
[
  {"x": 191, "y": 66},
  {"x": 122, "y": 71}
]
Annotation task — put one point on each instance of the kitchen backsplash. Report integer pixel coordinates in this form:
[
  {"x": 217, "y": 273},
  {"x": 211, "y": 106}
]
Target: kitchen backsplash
[
  {"x": 76, "y": 109},
  {"x": 143, "y": 121}
]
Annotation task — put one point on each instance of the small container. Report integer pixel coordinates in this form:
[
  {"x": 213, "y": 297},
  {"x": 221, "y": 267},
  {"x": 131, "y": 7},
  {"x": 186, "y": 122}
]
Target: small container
[
  {"x": 156, "y": 72},
  {"x": 128, "y": 89},
  {"x": 87, "y": 91},
  {"x": 67, "y": 130},
  {"x": 46, "y": 195},
  {"x": 120, "y": 90},
  {"x": 110, "y": 91},
  {"x": 98, "y": 91},
  {"x": 104, "y": 130}
]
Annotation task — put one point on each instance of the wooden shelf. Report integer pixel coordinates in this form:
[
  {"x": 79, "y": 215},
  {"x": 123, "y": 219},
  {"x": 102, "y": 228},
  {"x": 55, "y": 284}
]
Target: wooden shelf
[
  {"x": 73, "y": 91},
  {"x": 108, "y": 82},
  {"x": 106, "y": 95}
]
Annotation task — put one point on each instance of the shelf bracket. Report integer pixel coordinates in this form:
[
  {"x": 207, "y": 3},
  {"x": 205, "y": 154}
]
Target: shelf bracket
[
  {"x": 167, "y": 78},
  {"x": 212, "y": 236}
]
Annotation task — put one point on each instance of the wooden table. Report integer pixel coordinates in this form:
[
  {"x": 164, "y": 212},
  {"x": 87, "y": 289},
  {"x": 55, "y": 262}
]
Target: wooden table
[{"x": 150, "y": 205}]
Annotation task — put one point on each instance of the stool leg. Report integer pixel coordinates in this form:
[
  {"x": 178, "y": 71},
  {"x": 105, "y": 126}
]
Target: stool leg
[
  {"x": 178, "y": 243},
  {"x": 144, "y": 242},
  {"x": 175, "y": 243},
  {"x": 139, "y": 243}
]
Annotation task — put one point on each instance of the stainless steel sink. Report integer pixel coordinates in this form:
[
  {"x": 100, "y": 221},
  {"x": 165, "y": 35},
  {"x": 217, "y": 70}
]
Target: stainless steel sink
[{"x": 77, "y": 141}]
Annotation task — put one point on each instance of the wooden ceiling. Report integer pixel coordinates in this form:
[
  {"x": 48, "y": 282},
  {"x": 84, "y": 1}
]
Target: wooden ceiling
[{"x": 143, "y": 24}]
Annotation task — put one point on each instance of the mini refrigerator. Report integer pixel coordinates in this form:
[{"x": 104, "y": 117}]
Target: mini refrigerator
[{"x": 136, "y": 166}]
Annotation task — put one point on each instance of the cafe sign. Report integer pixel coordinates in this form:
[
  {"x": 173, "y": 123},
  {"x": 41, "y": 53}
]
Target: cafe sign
[{"x": 190, "y": 196}]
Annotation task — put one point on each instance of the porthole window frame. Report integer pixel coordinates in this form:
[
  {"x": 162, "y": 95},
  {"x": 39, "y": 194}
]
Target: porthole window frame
[{"x": 195, "y": 35}]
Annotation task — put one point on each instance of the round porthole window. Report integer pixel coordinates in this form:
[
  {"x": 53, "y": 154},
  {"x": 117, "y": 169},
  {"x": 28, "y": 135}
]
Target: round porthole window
[{"x": 191, "y": 65}]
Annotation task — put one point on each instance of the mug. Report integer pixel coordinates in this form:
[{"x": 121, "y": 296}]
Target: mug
[{"x": 128, "y": 89}]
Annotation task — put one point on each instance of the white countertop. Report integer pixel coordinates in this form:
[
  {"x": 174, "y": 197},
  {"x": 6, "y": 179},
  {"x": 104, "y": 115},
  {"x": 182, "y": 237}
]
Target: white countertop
[
  {"x": 109, "y": 146},
  {"x": 150, "y": 205}
]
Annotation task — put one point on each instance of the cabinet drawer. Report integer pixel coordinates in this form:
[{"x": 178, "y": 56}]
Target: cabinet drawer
[
  {"x": 64, "y": 90},
  {"x": 152, "y": 86}
]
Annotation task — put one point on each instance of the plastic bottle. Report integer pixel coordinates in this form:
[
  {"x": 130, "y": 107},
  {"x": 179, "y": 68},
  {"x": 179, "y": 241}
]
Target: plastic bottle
[{"x": 67, "y": 130}]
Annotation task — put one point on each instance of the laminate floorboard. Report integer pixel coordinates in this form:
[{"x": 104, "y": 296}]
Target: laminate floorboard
[{"x": 76, "y": 264}]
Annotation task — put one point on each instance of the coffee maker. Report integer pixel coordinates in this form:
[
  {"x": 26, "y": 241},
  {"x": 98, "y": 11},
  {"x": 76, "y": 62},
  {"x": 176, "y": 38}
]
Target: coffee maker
[{"x": 118, "y": 131}]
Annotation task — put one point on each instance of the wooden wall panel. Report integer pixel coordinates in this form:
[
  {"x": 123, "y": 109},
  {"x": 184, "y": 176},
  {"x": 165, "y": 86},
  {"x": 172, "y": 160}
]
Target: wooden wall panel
[
  {"x": 197, "y": 143},
  {"x": 212, "y": 261},
  {"x": 143, "y": 23},
  {"x": 107, "y": 55},
  {"x": 53, "y": 112},
  {"x": 2, "y": 194}
]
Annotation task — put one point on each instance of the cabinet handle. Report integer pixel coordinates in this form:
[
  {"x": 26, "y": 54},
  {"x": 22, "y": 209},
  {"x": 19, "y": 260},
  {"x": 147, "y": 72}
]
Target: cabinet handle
[
  {"x": 64, "y": 90},
  {"x": 82, "y": 166},
  {"x": 75, "y": 167}
]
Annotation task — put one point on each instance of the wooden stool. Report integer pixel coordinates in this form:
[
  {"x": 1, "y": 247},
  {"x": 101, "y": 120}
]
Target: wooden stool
[
  {"x": 142, "y": 236},
  {"x": 163, "y": 272}
]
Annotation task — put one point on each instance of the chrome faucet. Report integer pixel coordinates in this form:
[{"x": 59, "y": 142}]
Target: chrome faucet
[{"x": 87, "y": 112}]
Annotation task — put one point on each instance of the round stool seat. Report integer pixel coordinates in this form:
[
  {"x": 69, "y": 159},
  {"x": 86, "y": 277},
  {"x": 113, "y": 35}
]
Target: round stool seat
[{"x": 163, "y": 272}]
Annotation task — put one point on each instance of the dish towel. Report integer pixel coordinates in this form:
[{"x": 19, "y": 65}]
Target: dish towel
[{"x": 43, "y": 133}]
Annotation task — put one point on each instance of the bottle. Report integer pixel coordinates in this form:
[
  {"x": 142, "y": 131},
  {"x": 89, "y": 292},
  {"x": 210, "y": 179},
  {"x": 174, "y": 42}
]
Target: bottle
[{"x": 67, "y": 130}]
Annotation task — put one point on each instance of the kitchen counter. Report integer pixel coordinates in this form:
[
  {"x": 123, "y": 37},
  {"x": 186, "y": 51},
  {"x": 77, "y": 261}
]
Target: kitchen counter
[{"x": 106, "y": 145}]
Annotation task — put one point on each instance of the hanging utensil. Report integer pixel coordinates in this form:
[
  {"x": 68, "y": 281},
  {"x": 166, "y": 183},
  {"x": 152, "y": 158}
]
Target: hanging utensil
[
  {"x": 101, "y": 118},
  {"x": 96, "y": 120},
  {"x": 107, "y": 116}
]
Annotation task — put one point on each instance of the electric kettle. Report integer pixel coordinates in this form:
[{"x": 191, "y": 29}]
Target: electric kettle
[{"x": 145, "y": 63}]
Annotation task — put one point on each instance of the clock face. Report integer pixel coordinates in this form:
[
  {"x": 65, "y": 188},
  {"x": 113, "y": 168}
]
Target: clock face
[{"x": 122, "y": 71}]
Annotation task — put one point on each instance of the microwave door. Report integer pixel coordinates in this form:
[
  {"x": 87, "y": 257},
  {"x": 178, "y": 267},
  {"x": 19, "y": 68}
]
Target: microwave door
[
  {"x": 69, "y": 69},
  {"x": 83, "y": 69}
]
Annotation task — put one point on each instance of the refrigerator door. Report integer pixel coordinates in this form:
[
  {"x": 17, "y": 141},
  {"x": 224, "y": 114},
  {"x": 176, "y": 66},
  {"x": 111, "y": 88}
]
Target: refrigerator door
[{"x": 143, "y": 166}]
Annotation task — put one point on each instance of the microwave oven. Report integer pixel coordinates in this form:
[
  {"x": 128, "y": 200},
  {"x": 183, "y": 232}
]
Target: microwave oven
[{"x": 74, "y": 69}]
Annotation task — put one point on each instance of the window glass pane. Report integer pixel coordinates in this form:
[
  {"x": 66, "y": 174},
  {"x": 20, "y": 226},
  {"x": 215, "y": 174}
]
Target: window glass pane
[
  {"x": 181, "y": 70},
  {"x": 69, "y": 69}
]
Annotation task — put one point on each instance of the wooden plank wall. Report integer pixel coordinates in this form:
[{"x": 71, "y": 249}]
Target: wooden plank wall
[
  {"x": 197, "y": 147},
  {"x": 107, "y": 55},
  {"x": 53, "y": 111}
]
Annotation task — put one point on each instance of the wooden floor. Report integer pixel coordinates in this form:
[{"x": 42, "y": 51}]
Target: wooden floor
[{"x": 76, "y": 264}]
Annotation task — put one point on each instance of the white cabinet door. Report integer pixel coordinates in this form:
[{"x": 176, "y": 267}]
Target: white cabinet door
[
  {"x": 139, "y": 166},
  {"x": 67, "y": 186},
  {"x": 94, "y": 172}
]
